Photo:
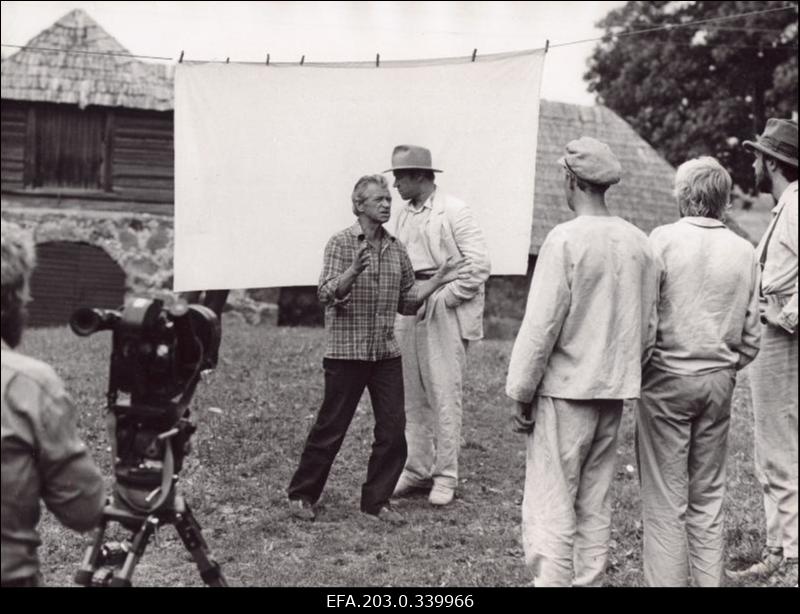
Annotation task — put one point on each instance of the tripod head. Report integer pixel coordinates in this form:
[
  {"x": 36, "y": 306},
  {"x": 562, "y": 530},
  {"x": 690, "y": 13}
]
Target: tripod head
[{"x": 157, "y": 357}]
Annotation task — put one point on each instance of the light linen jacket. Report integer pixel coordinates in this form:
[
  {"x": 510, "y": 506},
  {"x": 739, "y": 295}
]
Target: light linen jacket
[{"x": 451, "y": 231}]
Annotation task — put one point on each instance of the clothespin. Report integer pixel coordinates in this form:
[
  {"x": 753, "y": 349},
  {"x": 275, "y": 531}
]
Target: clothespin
[
  {"x": 546, "y": 45},
  {"x": 377, "y": 60},
  {"x": 267, "y": 59},
  {"x": 180, "y": 59},
  {"x": 227, "y": 60},
  {"x": 302, "y": 59},
  {"x": 474, "y": 53}
]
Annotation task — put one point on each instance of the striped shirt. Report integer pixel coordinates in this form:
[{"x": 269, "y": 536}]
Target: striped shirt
[{"x": 360, "y": 325}]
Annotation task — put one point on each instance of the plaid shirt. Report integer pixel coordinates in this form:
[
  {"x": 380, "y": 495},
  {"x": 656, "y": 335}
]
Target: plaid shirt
[{"x": 360, "y": 325}]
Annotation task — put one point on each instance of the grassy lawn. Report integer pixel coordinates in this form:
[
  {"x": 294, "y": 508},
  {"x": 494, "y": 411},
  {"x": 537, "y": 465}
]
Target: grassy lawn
[{"x": 268, "y": 386}]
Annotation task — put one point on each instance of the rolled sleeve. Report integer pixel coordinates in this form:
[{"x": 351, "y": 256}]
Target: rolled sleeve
[
  {"x": 333, "y": 267},
  {"x": 409, "y": 302}
]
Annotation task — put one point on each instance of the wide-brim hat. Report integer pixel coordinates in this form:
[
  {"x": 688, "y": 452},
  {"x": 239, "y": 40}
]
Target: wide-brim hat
[
  {"x": 778, "y": 140},
  {"x": 411, "y": 157}
]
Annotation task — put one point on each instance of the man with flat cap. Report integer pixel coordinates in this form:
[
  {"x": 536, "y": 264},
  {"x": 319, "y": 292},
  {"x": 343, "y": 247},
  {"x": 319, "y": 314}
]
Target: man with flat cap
[
  {"x": 435, "y": 226},
  {"x": 589, "y": 326},
  {"x": 773, "y": 374}
]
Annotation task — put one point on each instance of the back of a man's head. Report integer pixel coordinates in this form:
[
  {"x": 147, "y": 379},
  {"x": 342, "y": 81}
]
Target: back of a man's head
[{"x": 17, "y": 259}]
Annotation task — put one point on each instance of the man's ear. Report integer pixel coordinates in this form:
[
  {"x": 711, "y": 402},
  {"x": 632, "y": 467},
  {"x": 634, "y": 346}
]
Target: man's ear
[{"x": 770, "y": 163}]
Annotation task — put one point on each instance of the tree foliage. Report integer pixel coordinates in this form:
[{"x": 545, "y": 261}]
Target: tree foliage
[{"x": 698, "y": 89}]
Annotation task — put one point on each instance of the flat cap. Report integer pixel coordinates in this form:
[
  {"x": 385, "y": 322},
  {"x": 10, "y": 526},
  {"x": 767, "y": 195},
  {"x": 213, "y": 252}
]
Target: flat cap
[{"x": 592, "y": 161}]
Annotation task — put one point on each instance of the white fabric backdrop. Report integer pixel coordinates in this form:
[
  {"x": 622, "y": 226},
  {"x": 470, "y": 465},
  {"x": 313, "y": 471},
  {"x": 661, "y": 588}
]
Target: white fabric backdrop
[{"x": 266, "y": 157}]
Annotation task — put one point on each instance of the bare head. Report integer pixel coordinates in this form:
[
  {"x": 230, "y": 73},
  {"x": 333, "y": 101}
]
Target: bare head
[
  {"x": 703, "y": 188},
  {"x": 372, "y": 199}
]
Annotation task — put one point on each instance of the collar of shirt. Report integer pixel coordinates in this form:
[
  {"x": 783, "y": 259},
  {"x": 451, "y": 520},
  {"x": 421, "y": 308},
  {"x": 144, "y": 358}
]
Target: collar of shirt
[
  {"x": 358, "y": 232},
  {"x": 428, "y": 204},
  {"x": 792, "y": 187},
  {"x": 703, "y": 222}
]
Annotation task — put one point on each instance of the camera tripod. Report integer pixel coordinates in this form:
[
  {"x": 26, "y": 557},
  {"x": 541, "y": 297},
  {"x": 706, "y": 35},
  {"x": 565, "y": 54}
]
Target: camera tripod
[{"x": 113, "y": 563}]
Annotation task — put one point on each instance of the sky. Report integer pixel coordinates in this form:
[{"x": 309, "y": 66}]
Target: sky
[{"x": 338, "y": 31}]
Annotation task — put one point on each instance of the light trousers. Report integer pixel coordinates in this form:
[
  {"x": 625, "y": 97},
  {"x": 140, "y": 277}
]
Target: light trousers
[
  {"x": 773, "y": 379},
  {"x": 566, "y": 509},
  {"x": 434, "y": 358},
  {"x": 682, "y": 445}
]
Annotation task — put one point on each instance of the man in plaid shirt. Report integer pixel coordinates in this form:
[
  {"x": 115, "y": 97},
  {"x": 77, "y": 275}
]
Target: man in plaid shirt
[{"x": 366, "y": 279}]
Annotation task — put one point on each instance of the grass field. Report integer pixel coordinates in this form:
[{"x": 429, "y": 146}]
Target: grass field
[{"x": 268, "y": 386}]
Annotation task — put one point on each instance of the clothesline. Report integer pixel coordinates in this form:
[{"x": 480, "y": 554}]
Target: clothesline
[{"x": 547, "y": 47}]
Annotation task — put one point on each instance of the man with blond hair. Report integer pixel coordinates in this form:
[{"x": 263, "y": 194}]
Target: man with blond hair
[
  {"x": 589, "y": 325},
  {"x": 43, "y": 457},
  {"x": 708, "y": 329}
]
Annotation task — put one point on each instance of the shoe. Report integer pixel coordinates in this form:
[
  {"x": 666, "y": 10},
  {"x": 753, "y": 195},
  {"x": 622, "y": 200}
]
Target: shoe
[
  {"x": 301, "y": 509},
  {"x": 387, "y": 514},
  {"x": 771, "y": 561},
  {"x": 406, "y": 486},
  {"x": 441, "y": 495}
]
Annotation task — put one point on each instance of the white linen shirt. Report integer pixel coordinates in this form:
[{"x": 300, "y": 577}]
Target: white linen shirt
[
  {"x": 708, "y": 298},
  {"x": 590, "y": 318}
]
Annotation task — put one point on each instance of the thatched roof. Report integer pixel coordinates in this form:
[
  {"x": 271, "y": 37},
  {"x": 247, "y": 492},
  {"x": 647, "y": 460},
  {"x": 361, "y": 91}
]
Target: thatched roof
[
  {"x": 72, "y": 77},
  {"x": 643, "y": 197}
]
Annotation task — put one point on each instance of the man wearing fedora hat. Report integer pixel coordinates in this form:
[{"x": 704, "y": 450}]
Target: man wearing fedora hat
[
  {"x": 589, "y": 326},
  {"x": 435, "y": 226},
  {"x": 773, "y": 375}
]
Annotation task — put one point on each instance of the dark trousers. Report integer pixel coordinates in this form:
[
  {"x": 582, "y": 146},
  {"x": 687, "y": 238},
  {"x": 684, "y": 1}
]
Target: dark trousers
[
  {"x": 345, "y": 381},
  {"x": 213, "y": 299}
]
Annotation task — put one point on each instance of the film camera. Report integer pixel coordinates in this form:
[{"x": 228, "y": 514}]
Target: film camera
[{"x": 157, "y": 358}]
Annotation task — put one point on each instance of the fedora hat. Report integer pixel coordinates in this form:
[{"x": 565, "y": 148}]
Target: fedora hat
[
  {"x": 779, "y": 140},
  {"x": 407, "y": 157}
]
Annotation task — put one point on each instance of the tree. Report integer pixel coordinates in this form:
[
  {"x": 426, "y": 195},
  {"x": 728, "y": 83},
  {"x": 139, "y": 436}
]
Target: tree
[{"x": 699, "y": 89}]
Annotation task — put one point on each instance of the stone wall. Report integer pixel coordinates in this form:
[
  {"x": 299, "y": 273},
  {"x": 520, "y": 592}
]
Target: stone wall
[{"x": 141, "y": 244}]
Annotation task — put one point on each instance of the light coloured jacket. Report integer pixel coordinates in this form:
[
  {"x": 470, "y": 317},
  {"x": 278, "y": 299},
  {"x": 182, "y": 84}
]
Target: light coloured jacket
[
  {"x": 779, "y": 278},
  {"x": 452, "y": 232},
  {"x": 590, "y": 321},
  {"x": 43, "y": 459}
]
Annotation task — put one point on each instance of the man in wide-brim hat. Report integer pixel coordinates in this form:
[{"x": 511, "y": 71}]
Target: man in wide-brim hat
[
  {"x": 435, "y": 226},
  {"x": 773, "y": 375}
]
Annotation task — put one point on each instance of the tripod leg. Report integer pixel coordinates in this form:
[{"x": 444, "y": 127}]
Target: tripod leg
[
  {"x": 91, "y": 561},
  {"x": 125, "y": 575},
  {"x": 192, "y": 537}
]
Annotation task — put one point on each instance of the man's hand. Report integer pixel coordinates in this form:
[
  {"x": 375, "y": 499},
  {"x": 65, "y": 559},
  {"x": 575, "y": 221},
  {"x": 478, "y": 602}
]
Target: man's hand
[
  {"x": 770, "y": 314},
  {"x": 452, "y": 269},
  {"x": 523, "y": 421},
  {"x": 361, "y": 261}
]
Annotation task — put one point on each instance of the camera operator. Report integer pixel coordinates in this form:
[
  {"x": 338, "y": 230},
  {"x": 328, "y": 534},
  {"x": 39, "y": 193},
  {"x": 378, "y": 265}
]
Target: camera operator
[{"x": 42, "y": 455}]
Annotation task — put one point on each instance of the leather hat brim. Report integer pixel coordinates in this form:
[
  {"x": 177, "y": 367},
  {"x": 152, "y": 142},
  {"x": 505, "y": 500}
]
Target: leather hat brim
[
  {"x": 411, "y": 168},
  {"x": 770, "y": 152}
]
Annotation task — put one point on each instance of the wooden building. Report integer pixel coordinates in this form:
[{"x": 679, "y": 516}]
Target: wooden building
[{"x": 81, "y": 130}]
